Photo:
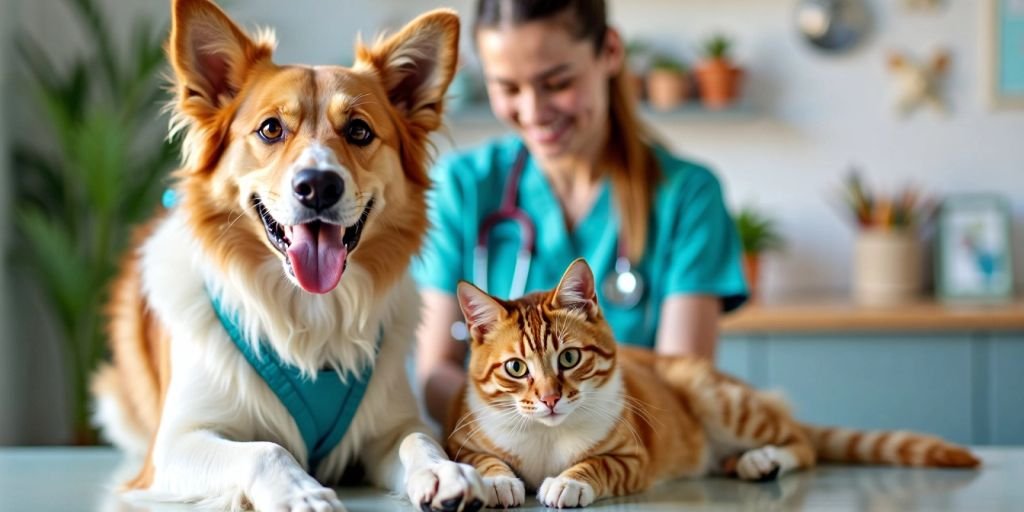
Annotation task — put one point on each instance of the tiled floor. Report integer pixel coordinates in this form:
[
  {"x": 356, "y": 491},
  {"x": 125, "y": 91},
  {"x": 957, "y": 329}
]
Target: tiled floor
[{"x": 68, "y": 479}]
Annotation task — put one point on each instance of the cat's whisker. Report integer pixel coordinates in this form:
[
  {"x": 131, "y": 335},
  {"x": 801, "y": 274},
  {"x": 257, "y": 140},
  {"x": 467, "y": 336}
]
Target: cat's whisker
[{"x": 594, "y": 406}]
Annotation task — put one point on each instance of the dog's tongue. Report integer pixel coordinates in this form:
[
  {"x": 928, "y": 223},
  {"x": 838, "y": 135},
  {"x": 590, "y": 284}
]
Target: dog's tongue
[{"x": 317, "y": 255}]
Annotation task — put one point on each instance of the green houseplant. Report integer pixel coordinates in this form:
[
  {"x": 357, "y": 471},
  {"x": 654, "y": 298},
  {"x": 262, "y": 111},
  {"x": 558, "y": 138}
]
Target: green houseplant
[
  {"x": 79, "y": 191},
  {"x": 719, "y": 78},
  {"x": 758, "y": 234}
]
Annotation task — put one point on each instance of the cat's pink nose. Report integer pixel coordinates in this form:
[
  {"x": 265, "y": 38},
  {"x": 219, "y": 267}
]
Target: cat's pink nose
[{"x": 550, "y": 400}]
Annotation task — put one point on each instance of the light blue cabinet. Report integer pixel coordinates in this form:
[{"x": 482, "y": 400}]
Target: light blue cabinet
[
  {"x": 967, "y": 387},
  {"x": 1005, "y": 386}
]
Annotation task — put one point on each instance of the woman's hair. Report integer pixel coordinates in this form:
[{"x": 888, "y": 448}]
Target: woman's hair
[{"x": 634, "y": 170}]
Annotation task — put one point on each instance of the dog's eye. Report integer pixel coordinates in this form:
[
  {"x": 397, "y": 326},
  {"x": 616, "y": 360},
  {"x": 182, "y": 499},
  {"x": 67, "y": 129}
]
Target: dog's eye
[
  {"x": 358, "y": 132},
  {"x": 271, "y": 130}
]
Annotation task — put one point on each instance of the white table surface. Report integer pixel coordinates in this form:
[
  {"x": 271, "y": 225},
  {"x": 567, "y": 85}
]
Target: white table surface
[{"x": 81, "y": 479}]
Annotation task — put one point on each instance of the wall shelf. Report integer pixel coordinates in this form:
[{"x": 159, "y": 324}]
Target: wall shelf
[{"x": 839, "y": 315}]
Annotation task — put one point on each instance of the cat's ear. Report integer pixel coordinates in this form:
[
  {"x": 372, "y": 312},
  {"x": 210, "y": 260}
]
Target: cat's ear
[
  {"x": 480, "y": 310},
  {"x": 576, "y": 290}
]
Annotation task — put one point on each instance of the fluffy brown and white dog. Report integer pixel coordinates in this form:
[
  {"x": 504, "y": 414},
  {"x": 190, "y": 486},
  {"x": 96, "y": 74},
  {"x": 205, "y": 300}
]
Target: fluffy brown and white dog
[{"x": 300, "y": 204}]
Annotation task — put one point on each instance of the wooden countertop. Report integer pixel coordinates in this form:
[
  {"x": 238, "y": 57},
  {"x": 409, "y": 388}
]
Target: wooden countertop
[{"x": 838, "y": 315}]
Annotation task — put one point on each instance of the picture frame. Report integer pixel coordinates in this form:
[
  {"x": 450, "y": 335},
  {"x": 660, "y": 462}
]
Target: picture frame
[
  {"x": 1006, "y": 54},
  {"x": 975, "y": 260}
]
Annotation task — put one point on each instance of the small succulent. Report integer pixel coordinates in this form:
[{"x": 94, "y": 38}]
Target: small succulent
[
  {"x": 667, "y": 62},
  {"x": 717, "y": 46}
]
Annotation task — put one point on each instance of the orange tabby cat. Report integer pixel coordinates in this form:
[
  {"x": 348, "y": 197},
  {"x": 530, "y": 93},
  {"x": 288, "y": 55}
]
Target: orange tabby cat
[{"x": 552, "y": 399}]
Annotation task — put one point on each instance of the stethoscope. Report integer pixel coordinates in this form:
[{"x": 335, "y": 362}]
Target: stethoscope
[{"x": 622, "y": 288}]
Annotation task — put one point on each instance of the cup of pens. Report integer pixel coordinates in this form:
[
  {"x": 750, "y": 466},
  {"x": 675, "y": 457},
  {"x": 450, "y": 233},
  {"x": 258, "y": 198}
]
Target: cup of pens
[{"x": 888, "y": 263}]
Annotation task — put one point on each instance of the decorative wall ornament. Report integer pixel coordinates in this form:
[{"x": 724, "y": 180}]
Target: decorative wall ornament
[
  {"x": 919, "y": 83},
  {"x": 833, "y": 26}
]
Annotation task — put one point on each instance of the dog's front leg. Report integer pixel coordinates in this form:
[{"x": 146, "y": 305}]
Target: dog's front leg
[
  {"x": 203, "y": 466},
  {"x": 409, "y": 460}
]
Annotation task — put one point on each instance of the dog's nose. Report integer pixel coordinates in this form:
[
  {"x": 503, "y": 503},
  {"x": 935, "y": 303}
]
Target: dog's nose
[{"x": 317, "y": 189}]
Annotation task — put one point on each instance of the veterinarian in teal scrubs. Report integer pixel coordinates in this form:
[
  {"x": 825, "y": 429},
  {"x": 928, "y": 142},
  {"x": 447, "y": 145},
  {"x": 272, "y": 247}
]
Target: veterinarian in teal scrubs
[{"x": 583, "y": 176}]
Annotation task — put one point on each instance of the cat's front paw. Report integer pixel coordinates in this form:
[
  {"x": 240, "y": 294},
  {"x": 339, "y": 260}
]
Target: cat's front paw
[
  {"x": 504, "y": 491},
  {"x": 562, "y": 492},
  {"x": 446, "y": 486}
]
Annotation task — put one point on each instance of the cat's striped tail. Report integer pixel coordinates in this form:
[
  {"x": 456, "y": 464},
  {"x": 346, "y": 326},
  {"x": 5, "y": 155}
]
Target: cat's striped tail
[{"x": 896, "y": 447}]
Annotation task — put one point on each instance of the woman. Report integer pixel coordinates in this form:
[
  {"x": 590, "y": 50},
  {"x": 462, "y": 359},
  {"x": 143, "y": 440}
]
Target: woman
[{"x": 593, "y": 184}]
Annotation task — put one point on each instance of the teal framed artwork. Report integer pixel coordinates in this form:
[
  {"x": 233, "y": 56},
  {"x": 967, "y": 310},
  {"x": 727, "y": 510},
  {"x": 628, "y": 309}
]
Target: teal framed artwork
[
  {"x": 974, "y": 248},
  {"x": 1006, "y": 45}
]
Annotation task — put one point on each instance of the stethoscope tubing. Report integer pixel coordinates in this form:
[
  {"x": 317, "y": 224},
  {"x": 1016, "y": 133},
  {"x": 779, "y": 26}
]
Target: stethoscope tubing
[{"x": 508, "y": 210}]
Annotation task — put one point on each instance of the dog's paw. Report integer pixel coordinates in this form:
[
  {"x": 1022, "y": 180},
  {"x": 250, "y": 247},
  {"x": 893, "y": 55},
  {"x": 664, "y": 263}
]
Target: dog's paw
[
  {"x": 759, "y": 465},
  {"x": 283, "y": 486},
  {"x": 504, "y": 491},
  {"x": 304, "y": 500},
  {"x": 446, "y": 487},
  {"x": 562, "y": 492}
]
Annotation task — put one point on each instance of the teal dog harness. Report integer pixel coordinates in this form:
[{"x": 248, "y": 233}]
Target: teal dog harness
[{"x": 323, "y": 408}]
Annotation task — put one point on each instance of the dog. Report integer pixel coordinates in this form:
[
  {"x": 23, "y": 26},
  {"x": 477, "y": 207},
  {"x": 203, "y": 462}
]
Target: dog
[{"x": 281, "y": 267}]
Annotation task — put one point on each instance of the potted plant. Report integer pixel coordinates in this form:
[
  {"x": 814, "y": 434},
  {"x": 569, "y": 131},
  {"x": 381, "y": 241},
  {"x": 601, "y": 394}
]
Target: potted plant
[
  {"x": 78, "y": 192},
  {"x": 668, "y": 84},
  {"x": 758, "y": 234},
  {"x": 718, "y": 77},
  {"x": 888, "y": 258}
]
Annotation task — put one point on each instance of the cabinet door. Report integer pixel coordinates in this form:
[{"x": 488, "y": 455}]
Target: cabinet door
[
  {"x": 918, "y": 382},
  {"x": 1006, "y": 389},
  {"x": 738, "y": 356}
]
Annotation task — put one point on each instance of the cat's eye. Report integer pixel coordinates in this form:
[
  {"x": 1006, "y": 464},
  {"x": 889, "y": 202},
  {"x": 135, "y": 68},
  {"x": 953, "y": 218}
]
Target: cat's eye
[
  {"x": 515, "y": 367},
  {"x": 569, "y": 358},
  {"x": 271, "y": 130},
  {"x": 358, "y": 132}
]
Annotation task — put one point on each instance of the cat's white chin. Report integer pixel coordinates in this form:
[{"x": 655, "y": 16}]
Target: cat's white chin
[{"x": 551, "y": 420}]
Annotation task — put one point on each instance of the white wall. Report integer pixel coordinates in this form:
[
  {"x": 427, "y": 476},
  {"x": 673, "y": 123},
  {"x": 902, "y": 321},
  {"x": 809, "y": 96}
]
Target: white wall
[
  {"x": 811, "y": 117},
  {"x": 818, "y": 115}
]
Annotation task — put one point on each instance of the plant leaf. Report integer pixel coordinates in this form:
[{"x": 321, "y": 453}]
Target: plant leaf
[{"x": 58, "y": 263}]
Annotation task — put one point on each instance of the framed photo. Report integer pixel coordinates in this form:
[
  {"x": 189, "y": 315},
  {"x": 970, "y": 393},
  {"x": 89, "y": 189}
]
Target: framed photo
[
  {"x": 1006, "y": 50},
  {"x": 974, "y": 250}
]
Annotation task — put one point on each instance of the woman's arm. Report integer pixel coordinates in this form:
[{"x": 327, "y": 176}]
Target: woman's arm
[
  {"x": 689, "y": 326},
  {"x": 439, "y": 358}
]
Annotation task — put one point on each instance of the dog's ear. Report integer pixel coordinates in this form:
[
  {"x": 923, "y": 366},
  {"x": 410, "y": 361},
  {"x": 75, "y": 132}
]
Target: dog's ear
[
  {"x": 417, "y": 64},
  {"x": 211, "y": 56}
]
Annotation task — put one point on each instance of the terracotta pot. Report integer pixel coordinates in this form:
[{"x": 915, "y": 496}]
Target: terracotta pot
[
  {"x": 719, "y": 83},
  {"x": 752, "y": 271},
  {"x": 887, "y": 267},
  {"x": 667, "y": 89}
]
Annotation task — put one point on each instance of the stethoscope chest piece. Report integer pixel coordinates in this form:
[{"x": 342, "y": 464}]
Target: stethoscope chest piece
[{"x": 624, "y": 287}]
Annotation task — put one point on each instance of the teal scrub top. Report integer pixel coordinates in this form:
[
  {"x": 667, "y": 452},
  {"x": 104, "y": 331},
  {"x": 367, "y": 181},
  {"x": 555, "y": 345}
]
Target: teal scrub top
[{"x": 692, "y": 245}]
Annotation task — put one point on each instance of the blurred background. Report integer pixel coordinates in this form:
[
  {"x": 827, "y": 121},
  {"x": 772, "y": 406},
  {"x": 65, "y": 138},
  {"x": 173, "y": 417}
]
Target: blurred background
[{"x": 872, "y": 150}]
